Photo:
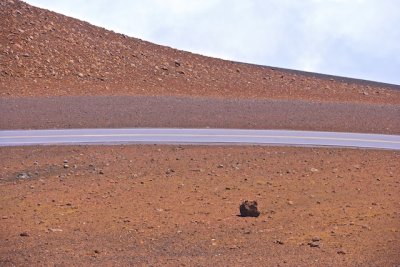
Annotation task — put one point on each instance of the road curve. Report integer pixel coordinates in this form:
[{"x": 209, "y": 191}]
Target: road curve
[{"x": 197, "y": 136}]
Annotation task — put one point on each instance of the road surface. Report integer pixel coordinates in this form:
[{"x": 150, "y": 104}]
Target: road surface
[{"x": 197, "y": 136}]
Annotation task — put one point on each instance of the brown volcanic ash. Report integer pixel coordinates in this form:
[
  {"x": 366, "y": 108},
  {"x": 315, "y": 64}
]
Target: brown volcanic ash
[{"x": 47, "y": 54}]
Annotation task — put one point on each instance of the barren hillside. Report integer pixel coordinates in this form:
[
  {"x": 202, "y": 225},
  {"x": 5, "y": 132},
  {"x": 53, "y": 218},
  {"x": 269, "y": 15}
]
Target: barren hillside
[{"x": 43, "y": 53}]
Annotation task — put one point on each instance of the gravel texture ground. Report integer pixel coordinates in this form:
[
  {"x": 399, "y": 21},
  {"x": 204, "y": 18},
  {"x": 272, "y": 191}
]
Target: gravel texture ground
[
  {"x": 179, "y": 205},
  {"x": 189, "y": 112}
]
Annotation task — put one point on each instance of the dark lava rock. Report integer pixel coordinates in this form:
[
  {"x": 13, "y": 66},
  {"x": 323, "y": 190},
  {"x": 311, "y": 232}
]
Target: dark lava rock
[
  {"x": 249, "y": 209},
  {"x": 279, "y": 242},
  {"x": 169, "y": 171}
]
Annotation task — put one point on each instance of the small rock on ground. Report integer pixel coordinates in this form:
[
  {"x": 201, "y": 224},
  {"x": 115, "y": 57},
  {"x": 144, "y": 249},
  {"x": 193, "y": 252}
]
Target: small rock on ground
[
  {"x": 314, "y": 244},
  {"x": 249, "y": 209},
  {"x": 23, "y": 175}
]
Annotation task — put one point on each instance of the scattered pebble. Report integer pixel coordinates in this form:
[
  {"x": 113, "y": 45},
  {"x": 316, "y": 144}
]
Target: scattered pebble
[
  {"x": 316, "y": 238},
  {"x": 23, "y": 175},
  {"x": 314, "y": 244},
  {"x": 24, "y": 234},
  {"x": 169, "y": 171},
  {"x": 55, "y": 230}
]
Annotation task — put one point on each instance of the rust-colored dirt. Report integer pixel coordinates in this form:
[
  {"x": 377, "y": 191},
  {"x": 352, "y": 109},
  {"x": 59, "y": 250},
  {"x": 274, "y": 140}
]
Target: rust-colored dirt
[
  {"x": 47, "y": 54},
  {"x": 170, "y": 205}
]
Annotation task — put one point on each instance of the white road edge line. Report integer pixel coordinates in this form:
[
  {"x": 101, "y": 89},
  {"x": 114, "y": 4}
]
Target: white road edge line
[{"x": 202, "y": 135}]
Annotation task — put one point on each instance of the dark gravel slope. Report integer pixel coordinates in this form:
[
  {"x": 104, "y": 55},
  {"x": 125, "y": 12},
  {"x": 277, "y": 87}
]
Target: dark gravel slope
[{"x": 115, "y": 112}]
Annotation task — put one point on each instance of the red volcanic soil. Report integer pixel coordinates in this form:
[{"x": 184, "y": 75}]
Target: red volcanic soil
[
  {"x": 179, "y": 206},
  {"x": 47, "y": 54}
]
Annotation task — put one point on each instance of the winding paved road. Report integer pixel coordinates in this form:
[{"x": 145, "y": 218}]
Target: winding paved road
[{"x": 197, "y": 136}]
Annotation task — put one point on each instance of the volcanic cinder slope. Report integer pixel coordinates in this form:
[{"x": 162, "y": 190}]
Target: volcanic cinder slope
[
  {"x": 179, "y": 205},
  {"x": 47, "y": 54}
]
